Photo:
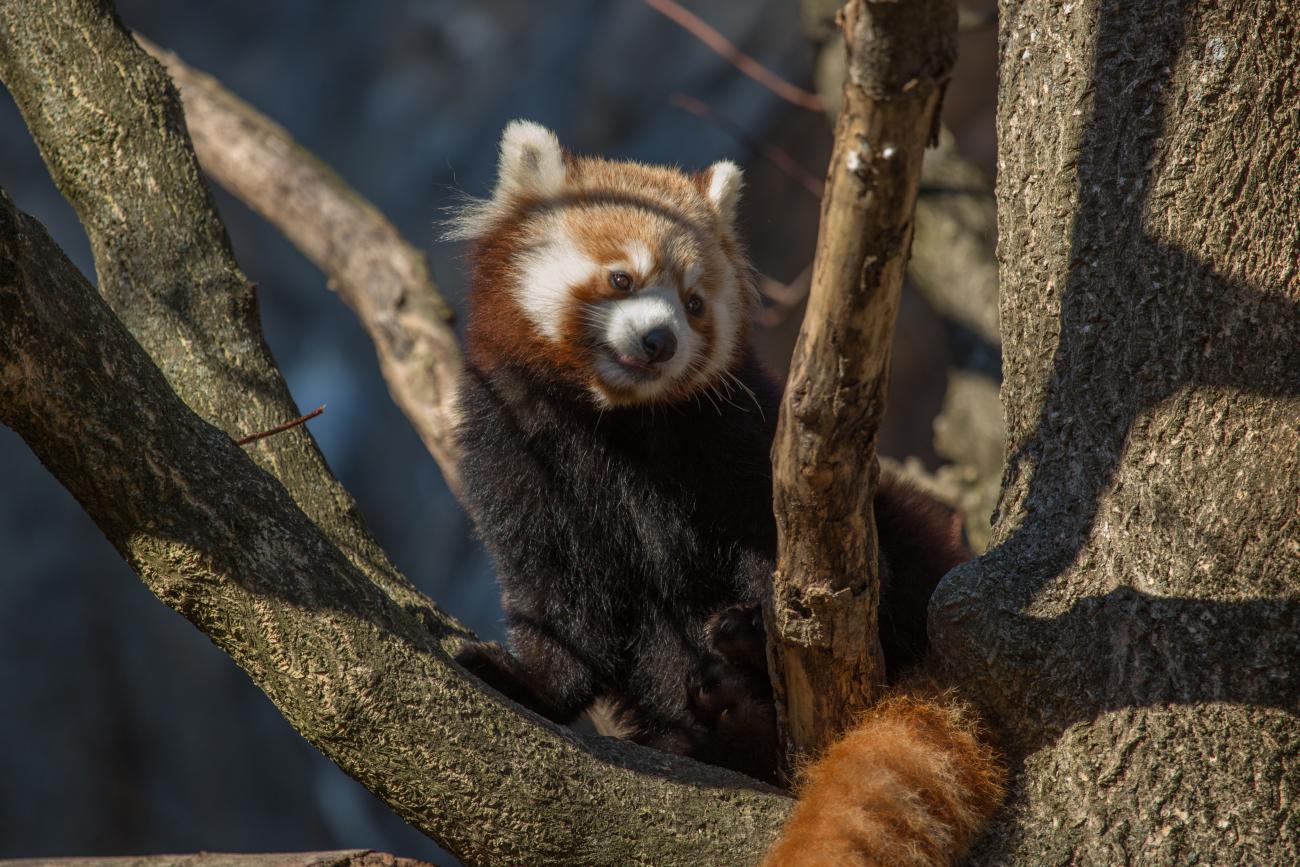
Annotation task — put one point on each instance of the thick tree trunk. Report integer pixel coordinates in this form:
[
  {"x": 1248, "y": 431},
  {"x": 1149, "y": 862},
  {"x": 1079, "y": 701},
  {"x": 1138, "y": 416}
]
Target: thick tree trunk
[{"x": 1136, "y": 624}]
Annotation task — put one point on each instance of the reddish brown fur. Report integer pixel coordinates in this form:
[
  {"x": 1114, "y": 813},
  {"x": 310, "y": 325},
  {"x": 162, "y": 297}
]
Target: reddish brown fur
[
  {"x": 911, "y": 786},
  {"x": 605, "y": 206}
]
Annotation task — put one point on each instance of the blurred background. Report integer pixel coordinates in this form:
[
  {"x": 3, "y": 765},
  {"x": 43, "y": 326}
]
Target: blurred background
[{"x": 123, "y": 730}]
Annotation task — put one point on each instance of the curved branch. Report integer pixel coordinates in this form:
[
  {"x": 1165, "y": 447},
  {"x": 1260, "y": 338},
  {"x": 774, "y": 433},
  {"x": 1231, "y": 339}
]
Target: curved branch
[
  {"x": 110, "y": 127},
  {"x": 221, "y": 542},
  {"x": 826, "y": 588},
  {"x": 375, "y": 271},
  {"x": 339, "y": 858}
]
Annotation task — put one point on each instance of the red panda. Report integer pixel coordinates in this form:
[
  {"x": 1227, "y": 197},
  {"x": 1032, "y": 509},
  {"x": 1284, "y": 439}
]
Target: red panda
[{"x": 615, "y": 430}]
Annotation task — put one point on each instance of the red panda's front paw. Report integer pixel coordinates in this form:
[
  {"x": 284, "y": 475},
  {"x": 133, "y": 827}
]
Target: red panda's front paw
[
  {"x": 733, "y": 708},
  {"x": 737, "y": 635}
]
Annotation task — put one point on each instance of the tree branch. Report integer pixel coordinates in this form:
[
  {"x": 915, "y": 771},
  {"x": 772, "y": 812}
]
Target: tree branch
[
  {"x": 727, "y": 50},
  {"x": 221, "y": 542},
  {"x": 954, "y": 268},
  {"x": 110, "y": 127},
  {"x": 825, "y": 649},
  {"x": 341, "y": 858},
  {"x": 375, "y": 271}
]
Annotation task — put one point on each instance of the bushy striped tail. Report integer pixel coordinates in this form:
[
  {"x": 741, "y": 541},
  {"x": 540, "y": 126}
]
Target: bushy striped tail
[{"x": 912, "y": 785}]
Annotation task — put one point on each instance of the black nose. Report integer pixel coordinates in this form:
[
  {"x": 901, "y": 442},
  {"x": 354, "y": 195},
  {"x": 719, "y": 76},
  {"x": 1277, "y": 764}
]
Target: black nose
[{"x": 660, "y": 344}]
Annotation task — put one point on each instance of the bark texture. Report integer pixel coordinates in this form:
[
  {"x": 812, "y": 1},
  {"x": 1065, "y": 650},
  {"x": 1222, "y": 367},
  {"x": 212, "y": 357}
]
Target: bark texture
[
  {"x": 341, "y": 858},
  {"x": 826, "y": 666},
  {"x": 271, "y": 560},
  {"x": 373, "y": 269},
  {"x": 221, "y": 542},
  {"x": 110, "y": 127},
  {"x": 954, "y": 268},
  {"x": 1136, "y": 624}
]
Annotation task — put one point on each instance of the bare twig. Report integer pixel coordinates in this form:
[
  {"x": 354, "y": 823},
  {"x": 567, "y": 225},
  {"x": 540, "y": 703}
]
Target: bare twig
[
  {"x": 770, "y": 152},
  {"x": 823, "y": 615},
  {"x": 280, "y": 428},
  {"x": 786, "y": 298},
  {"x": 733, "y": 55},
  {"x": 375, "y": 271}
]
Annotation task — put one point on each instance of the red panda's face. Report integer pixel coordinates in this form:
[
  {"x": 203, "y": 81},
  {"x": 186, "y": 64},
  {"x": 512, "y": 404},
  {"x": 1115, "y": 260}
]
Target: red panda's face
[{"x": 624, "y": 278}]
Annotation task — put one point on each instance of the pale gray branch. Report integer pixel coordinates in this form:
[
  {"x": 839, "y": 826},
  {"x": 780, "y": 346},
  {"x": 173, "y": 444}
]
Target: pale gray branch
[
  {"x": 375, "y": 271},
  {"x": 110, "y": 127}
]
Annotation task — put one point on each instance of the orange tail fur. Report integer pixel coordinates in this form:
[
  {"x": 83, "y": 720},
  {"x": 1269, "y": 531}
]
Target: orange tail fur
[{"x": 911, "y": 786}]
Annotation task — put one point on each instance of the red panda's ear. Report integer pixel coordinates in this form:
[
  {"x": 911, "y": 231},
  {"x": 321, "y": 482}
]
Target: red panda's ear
[
  {"x": 532, "y": 163},
  {"x": 721, "y": 186}
]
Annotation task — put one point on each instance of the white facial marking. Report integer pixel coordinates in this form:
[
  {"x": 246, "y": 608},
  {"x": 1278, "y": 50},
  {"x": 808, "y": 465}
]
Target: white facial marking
[
  {"x": 627, "y": 320},
  {"x": 547, "y": 275},
  {"x": 640, "y": 259}
]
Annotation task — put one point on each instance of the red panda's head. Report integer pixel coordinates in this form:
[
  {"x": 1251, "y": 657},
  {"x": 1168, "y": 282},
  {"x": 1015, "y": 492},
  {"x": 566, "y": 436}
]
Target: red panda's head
[{"x": 622, "y": 278}]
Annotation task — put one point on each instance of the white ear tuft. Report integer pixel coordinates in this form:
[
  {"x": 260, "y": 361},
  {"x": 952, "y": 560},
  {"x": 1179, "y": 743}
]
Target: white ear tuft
[
  {"x": 531, "y": 162},
  {"x": 722, "y": 188}
]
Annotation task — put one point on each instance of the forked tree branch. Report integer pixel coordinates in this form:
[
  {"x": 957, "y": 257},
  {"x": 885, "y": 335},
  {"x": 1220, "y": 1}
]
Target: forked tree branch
[
  {"x": 826, "y": 589},
  {"x": 277, "y": 573},
  {"x": 221, "y": 542},
  {"x": 110, "y": 128},
  {"x": 375, "y": 271}
]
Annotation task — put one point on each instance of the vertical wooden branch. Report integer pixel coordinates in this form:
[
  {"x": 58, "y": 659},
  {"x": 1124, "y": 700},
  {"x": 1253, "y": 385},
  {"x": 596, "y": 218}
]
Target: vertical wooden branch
[{"x": 825, "y": 650}]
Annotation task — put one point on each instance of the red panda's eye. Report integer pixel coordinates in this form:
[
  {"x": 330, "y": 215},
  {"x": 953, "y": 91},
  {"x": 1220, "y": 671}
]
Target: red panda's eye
[
  {"x": 695, "y": 305},
  {"x": 621, "y": 281}
]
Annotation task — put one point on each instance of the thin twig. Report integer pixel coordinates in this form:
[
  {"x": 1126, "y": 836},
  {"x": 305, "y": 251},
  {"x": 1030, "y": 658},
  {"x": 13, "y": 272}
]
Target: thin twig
[
  {"x": 770, "y": 152},
  {"x": 280, "y": 428},
  {"x": 727, "y": 49},
  {"x": 785, "y": 298}
]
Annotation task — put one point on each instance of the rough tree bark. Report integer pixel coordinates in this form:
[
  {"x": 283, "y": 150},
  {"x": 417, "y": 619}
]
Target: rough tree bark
[
  {"x": 954, "y": 268},
  {"x": 1136, "y": 624},
  {"x": 340, "y": 858},
  {"x": 360, "y": 673},
  {"x": 220, "y": 541},
  {"x": 373, "y": 269},
  {"x": 826, "y": 661}
]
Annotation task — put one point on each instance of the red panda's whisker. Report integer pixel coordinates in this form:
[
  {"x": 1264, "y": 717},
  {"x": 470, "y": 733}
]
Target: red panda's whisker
[{"x": 749, "y": 391}]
